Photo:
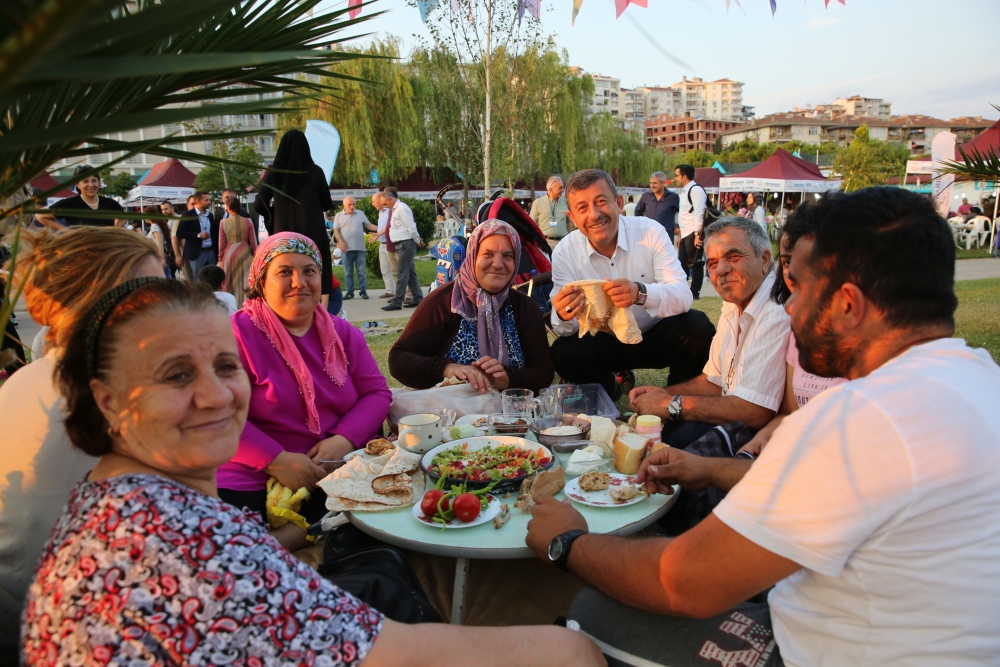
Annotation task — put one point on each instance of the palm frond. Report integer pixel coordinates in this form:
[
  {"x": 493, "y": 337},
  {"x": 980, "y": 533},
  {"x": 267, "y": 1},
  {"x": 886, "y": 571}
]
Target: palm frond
[{"x": 975, "y": 166}]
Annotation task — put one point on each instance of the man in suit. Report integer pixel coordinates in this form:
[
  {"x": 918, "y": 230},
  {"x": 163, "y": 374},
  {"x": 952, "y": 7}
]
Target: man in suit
[{"x": 200, "y": 231}]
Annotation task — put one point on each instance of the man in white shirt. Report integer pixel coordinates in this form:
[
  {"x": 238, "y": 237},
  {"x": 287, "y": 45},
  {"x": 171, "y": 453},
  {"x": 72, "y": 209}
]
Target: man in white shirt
[
  {"x": 403, "y": 234},
  {"x": 386, "y": 258},
  {"x": 349, "y": 228},
  {"x": 744, "y": 379},
  {"x": 630, "y": 206},
  {"x": 549, "y": 212},
  {"x": 872, "y": 510},
  {"x": 691, "y": 220},
  {"x": 640, "y": 264}
]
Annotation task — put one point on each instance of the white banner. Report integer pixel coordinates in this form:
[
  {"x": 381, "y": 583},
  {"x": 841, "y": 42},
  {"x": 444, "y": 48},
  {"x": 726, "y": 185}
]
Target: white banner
[
  {"x": 324, "y": 145},
  {"x": 154, "y": 192},
  {"x": 942, "y": 148},
  {"x": 737, "y": 184}
]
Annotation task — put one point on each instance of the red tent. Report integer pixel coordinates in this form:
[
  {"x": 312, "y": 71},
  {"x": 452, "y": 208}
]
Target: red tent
[
  {"x": 786, "y": 166},
  {"x": 988, "y": 141},
  {"x": 708, "y": 178},
  {"x": 169, "y": 174},
  {"x": 47, "y": 182}
]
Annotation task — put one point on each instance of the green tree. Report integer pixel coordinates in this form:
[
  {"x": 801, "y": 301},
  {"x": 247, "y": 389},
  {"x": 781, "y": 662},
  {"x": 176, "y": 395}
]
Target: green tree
[
  {"x": 215, "y": 178},
  {"x": 118, "y": 185},
  {"x": 374, "y": 113},
  {"x": 622, "y": 153},
  {"x": 867, "y": 162}
]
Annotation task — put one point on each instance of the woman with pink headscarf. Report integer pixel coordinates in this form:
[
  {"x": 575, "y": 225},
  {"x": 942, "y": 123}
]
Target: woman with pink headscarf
[
  {"x": 316, "y": 392},
  {"x": 476, "y": 328}
]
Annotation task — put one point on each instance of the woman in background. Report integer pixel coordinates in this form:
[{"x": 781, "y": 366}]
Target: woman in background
[
  {"x": 159, "y": 234},
  {"x": 300, "y": 194},
  {"x": 237, "y": 244}
]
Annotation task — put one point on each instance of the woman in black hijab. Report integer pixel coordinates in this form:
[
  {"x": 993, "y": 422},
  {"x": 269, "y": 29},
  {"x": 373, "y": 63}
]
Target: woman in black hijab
[{"x": 300, "y": 195}]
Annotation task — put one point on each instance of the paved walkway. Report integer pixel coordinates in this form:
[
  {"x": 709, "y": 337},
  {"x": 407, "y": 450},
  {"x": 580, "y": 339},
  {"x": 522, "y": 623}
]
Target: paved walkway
[{"x": 360, "y": 310}]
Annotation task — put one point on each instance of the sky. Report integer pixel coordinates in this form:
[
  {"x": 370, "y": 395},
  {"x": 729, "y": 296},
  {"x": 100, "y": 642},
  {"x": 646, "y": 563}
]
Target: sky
[{"x": 925, "y": 56}]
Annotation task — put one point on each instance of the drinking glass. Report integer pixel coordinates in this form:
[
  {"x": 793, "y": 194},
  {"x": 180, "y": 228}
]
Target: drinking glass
[
  {"x": 519, "y": 401},
  {"x": 551, "y": 405}
]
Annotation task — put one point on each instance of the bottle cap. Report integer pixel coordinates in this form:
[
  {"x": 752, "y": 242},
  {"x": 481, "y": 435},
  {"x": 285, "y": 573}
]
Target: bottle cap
[{"x": 648, "y": 421}]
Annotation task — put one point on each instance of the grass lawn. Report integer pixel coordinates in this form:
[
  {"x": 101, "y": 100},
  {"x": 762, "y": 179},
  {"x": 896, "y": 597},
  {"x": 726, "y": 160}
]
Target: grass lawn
[
  {"x": 975, "y": 253},
  {"x": 977, "y": 321},
  {"x": 426, "y": 270}
]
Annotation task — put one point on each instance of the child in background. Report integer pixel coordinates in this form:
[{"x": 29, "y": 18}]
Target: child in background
[{"x": 214, "y": 276}]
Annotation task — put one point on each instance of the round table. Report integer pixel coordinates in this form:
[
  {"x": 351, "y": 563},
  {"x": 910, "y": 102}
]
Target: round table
[{"x": 399, "y": 528}]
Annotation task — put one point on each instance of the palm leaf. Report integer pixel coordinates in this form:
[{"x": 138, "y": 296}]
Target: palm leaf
[{"x": 975, "y": 166}]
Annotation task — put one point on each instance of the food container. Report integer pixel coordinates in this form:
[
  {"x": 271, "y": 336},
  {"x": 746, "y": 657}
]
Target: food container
[
  {"x": 512, "y": 484},
  {"x": 540, "y": 425},
  {"x": 564, "y": 451},
  {"x": 651, "y": 427},
  {"x": 509, "y": 424},
  {"x": 588, "y": 399}
]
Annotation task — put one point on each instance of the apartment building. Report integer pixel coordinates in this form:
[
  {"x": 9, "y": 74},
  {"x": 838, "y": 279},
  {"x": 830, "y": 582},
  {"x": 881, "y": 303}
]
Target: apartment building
[
  {"x": 856, "y": 106},
  {"x": 658, "y": 101},
  {"x": 186, "y": 139},
  {"x": 632, "y": 109},
  {"x": 716, "y": 100},
  {"x": 607, "y": 95},
  {"x": 680, "y": 134}
]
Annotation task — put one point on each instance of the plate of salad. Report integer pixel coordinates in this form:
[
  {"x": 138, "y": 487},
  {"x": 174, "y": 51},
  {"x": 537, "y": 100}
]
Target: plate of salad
[
  {"x": 457, "y": 507},
  {"x": 480, "y": 461}
]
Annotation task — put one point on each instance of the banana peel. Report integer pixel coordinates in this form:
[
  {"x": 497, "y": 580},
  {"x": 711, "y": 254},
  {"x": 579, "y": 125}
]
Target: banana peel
[{"x": 284, "y": 505}]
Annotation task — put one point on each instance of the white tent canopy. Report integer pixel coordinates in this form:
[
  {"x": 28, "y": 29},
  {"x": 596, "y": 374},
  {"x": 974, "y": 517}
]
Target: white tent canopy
[{"x": 737, "y": 184}]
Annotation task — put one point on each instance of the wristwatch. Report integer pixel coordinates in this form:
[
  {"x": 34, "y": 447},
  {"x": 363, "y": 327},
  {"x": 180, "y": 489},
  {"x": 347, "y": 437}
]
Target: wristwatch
[
  {"x": 674, "y": 408},
  {"x": 559, "y": 547},
  {"x": 640, "y": 298}
]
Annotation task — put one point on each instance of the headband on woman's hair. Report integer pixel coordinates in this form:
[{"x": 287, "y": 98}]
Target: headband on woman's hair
[{"x": 99, "y": 316}]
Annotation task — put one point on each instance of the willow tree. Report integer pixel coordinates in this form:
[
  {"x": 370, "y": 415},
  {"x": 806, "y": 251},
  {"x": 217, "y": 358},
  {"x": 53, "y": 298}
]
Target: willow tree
[
  {"x": 622, "y": 153},
  {"x": 486, "y": 38},
  {"x": 373, "y": 110}
]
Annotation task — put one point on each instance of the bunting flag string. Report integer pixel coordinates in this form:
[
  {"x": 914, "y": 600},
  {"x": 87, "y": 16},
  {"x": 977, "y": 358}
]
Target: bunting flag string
[
  {"x": 426, "y": 7},
  {"x": 827, "y": 3},
  {"x": 357, "y": 7},
  {"x": 531, "y": 6},
  {"x": 774, "y": 6},
  {"x": 621, "y": 5},
  {"x": 576, "y": 10}
]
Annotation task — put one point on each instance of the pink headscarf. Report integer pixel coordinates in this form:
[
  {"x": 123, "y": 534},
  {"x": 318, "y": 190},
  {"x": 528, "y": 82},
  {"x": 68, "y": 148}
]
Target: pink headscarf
[{"x": 265, "y": 319}]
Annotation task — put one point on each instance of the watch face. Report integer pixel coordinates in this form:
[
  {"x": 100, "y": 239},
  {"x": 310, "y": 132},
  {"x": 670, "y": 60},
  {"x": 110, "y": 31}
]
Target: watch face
[{"x": 555, "y": 549}]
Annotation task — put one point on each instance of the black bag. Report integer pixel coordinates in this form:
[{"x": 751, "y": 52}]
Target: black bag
[
  {"x": 711, "y": 214},
  {"x": 379, "y": 577}
]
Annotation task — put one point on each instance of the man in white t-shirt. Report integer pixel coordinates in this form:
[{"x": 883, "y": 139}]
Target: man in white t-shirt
[
  {"x": 691, "y": 221},
  {"x": 872, "y": 511},
  {"x": 386, "y": 259}
]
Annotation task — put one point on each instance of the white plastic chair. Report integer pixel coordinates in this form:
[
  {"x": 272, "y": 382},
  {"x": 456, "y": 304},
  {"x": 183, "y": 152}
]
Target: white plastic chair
[{"x": 977, "y": 234}]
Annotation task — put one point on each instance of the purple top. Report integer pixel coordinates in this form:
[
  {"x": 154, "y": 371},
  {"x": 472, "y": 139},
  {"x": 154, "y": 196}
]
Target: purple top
[
  {"x": 277, "y": 418},
  {"x": 805, "y": 385}
]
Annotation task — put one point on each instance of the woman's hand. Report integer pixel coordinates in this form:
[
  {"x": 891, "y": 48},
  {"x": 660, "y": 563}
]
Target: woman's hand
[
  {"x": 475, "y": 377},
  {"x": 494, "y": 370},
  {"x": 295, "y": 471},
  {"x": 333, "y": 448}
]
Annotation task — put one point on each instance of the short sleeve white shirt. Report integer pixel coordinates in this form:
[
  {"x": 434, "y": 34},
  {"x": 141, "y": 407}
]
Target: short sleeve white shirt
[
  {"x": 644, "y": 254},
  {"x": 747, "y": 358},
  {"x": 885, "y": 491},
  {"x": 691, "y": 217}
]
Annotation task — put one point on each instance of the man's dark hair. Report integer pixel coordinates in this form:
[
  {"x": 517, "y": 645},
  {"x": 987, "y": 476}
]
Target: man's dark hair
[
  {"x": 889, "y": 242},
  {"x": 686, "y": 170},
  {"x": 199, "y": 194},
  {"x": 391, "y": 192},
  {"x": 584, "y": 178},
  {"x": 213, "y": 276},
  {"x": 165, "y": 203}
]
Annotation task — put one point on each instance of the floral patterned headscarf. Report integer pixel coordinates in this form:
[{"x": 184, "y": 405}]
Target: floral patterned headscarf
[{"x": 265, "y": 319}]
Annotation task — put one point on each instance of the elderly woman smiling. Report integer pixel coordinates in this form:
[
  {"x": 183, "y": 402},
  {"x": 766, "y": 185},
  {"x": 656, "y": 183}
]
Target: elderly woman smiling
[
  {"x": 148, "y": 566},
  {"x": 316, "y": 392},
  {"x": 476, "y": 328}
]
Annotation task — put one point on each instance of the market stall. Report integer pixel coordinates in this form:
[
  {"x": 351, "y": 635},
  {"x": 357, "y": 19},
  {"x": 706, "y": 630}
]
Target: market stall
[{"x": 168, "y": 180}]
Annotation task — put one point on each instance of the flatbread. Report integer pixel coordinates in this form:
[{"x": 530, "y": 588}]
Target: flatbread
[
  {"x": 599, "y": 313},
  {"x": 380, "y": 482}
]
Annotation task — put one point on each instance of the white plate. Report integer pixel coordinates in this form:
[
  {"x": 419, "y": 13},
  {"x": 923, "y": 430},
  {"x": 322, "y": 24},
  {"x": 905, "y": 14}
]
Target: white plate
[
  {"x": 468, "y": 419},
  {"x": 491, "y": 511},
  {"x": 601, "y": 498},
  {"x": 479, "y": 442}
]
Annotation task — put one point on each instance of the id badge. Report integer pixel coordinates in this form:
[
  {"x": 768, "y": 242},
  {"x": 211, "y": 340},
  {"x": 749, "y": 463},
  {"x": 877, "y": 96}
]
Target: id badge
[{"x": 553, "y": 222}]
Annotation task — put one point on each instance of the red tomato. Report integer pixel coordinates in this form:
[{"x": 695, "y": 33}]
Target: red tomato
[
  {"x": 544, "y": 462},
  {"x": 466, "y": 507},
  {"x": 429, "y": 504}
]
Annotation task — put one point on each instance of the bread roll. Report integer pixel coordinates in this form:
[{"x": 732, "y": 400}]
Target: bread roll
[
  {"x": 602, "y": 432},
  {"x": 630, "y": 448},
  {"x": 658, "y": 446}
]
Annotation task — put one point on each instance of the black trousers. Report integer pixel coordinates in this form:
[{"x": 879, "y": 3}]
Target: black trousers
[
  {"x": 680, "y": 342},
  {"x": 694, "y": 259}
]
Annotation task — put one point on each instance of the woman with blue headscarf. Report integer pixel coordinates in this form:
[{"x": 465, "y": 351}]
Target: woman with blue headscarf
[{"x": 476, "y": 328}]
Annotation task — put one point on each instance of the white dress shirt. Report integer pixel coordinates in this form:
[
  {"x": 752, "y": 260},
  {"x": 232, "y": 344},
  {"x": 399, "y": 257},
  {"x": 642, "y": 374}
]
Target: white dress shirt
[
  {"x": 401, "y": 224},
  {"x": 383, "y": 218},
  {"x": 747, "y": 358},
  {"x": 691, "y": 217},
  {"x": 644, "y": 255}
]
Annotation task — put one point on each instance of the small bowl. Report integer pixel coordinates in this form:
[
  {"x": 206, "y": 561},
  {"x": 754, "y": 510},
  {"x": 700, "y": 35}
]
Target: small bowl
[
  {"x": 515, "y": 424},
  {"x": 563, "y": 451},
  {"x": 540, "y": 425}
]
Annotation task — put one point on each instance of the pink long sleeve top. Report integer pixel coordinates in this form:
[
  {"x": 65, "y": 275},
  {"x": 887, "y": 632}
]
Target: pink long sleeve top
[{"x": 277, "y": 418}]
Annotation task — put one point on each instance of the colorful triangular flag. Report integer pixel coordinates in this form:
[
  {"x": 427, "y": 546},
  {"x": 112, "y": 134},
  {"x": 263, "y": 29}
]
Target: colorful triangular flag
[
  {"x": 620, "y": 5},
  {"x": 774, "y": 6},
  {"x": 531, "y": 6},
  {"x": 740, "y": 6},
  {"x": 357, "y": 4},
  {"x": 576, "y": 10},
  {"x": 426, "y": 7}
]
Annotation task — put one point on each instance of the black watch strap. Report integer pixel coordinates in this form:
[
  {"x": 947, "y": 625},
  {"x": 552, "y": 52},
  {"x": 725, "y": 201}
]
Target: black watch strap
[{"x": 566, "y": 540}]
